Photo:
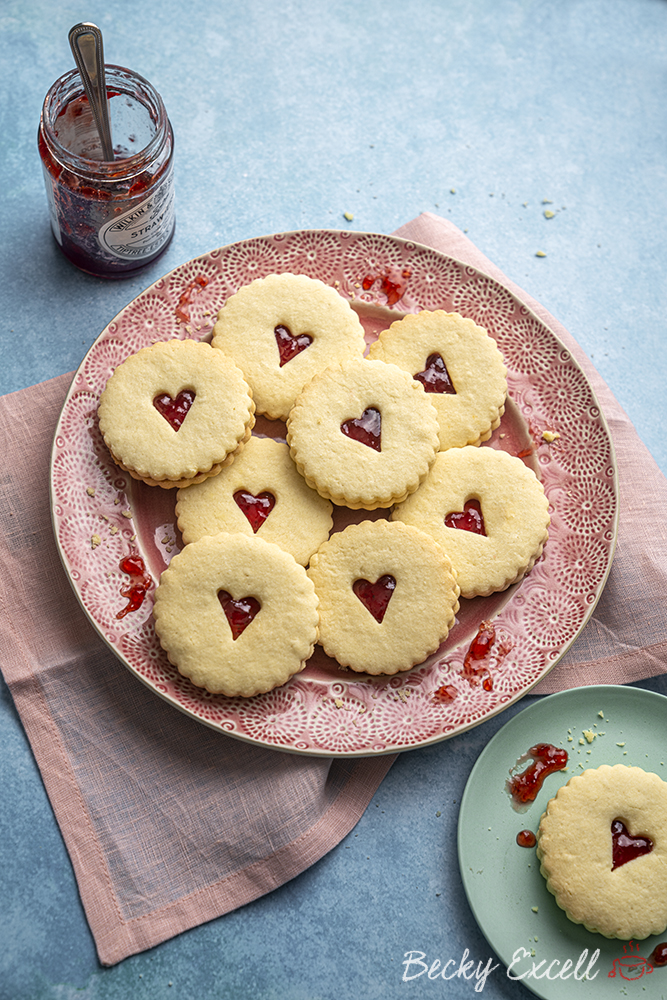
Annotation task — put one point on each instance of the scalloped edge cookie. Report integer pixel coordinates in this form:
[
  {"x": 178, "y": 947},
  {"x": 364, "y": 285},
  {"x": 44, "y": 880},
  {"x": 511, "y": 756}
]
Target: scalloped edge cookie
[
  {"x": 420, "y": 613},
  {"x": 299, "y": 521},
  {"x": 345, "y": 470},
  {"x": 143, "y": 443},
  {"x": 575, "y": 851},
  {"x": 474, "y": 364},
  {"x": 514, "y": 508},
  {"x": 194, "y": 631},
  {"x": 245, "y": 330}
]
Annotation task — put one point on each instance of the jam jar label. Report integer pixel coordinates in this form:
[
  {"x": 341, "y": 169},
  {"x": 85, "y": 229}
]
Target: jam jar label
[{"x": 144, "y": 229}]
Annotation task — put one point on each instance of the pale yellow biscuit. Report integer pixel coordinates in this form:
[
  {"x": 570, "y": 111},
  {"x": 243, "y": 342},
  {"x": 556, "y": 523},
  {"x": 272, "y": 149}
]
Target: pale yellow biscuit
[
  {"x": 345, "y": 469},
  {"x": 301, "y": 306},
  {"x": 194, "y": 628},
  {"x": 403, "y": 572},
  {"x": 575, "y": 851},
  {"x": 298, "y": 518},
  {"x": 514, "y": 510},
  {"x": 144, "y": 443},
  {"x": 472, "y": 361}
]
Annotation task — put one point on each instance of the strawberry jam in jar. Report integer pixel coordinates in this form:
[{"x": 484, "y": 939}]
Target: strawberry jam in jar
[{"x": 111, "y": 218}]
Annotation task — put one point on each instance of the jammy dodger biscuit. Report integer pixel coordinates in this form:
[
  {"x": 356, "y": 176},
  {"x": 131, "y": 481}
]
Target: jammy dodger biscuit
[
  {"x": 283, "y": 329},
  {"x": 175, "y": 413},
  {"x": 458, "y": 364}
]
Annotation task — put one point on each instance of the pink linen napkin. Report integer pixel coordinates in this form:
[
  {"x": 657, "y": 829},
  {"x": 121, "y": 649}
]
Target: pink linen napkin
[{"x": 169, "y": 824}]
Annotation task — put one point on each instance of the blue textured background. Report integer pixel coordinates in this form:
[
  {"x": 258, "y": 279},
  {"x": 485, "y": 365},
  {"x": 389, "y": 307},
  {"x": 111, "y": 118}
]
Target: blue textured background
[{"x": 286, "y": 116}]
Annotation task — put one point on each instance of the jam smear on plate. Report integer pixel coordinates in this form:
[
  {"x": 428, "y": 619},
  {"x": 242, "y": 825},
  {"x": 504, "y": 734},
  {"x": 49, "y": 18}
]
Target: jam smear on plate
[
  {"x": 140, "y": 581},
  {"x": 392, "y": 285},
  {"x": 185, "y": 298},
  {"x": 658, "y": 956},
  {"x": 526, "y": 838},
  {"x": 547, "y": 759}
]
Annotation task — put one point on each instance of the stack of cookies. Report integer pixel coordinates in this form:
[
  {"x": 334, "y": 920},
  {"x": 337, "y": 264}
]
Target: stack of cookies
[{"x": 263, "y": 575}]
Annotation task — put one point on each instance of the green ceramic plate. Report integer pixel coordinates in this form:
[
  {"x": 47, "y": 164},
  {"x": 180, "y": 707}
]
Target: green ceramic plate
[{"x": 507, "y": 893}]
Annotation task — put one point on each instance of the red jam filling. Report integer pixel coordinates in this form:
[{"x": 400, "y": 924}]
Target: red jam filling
[
  {"x": 176, "y": 410},
  {"x": 435, "y": 377},
  {"x": 140, "y": 581},
  {"x": 546, "y": 759},
  {"x": 290, "y": 345},
  {"x": 445, "y": 694},
  {"x": 239, "y": 613},
  {"x": 478, "y": 650},
  {"x": 659, "y": 954},
  {"x": 366, "y": 429},
  {"x": 375, "y": 597},
  {"x": 393, "y": 285},
  {"x": 256, "y": 508},
  {"x": 184, "y": 301},
  {"x": 625, "y": 847},
  {"x": 526, "y": 838},
  {"x": 469, "y": 519},
  {"x": 477, "y": 659}
]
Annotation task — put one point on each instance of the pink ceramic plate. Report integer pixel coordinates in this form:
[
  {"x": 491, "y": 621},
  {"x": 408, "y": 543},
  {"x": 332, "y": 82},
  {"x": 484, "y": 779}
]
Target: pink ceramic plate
[{"x": 552, "y": 420}]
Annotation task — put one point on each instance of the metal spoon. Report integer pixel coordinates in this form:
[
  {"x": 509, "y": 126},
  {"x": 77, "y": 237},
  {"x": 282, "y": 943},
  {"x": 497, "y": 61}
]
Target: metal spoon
[{"x": 86, "y": 44}]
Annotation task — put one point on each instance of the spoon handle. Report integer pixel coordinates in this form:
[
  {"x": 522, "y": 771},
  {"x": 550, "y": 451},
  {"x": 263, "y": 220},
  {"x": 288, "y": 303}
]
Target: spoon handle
[{"x": 86, "y": 44}]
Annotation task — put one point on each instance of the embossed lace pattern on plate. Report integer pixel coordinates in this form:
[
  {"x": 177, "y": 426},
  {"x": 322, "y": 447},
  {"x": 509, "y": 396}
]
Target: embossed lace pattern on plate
[{"x": 100, "y": 515}]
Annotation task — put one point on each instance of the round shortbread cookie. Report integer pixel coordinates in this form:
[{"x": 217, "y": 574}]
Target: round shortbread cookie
[
  {"x": 576, "y": 854},
  {"x": 196, "y": 630},
  {"x": 206, "y": 414},
  {"x": 283, "y": 329},
  {"x": 388, "y": 596},
  {"x": 363, "y": 434},
  {"x": 261, "y": 493},
  {"x": 460, "y": 367},
  {"x": 513, "y": 514}
]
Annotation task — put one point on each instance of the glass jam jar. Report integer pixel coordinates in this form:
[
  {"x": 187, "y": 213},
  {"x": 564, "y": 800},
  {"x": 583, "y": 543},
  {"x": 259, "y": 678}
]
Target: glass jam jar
[{"x": 110, "y": 218}]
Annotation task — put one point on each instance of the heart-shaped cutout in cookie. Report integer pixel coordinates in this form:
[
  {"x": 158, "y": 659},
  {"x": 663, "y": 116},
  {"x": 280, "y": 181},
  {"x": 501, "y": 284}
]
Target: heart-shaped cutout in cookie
[
  {"x": 375, "y": 597},
  {"x": 256, "y": 508},
  {"x": 173, "y": 410},
  {"x": 625, "y": 847},
  {"x": 435, "y": 377},
  {"x": 289, "y": 344},
  {"x": 239, "y": 613},
  {"x": 367, "y": 429},
  {"x": 469, "y": 519}
]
